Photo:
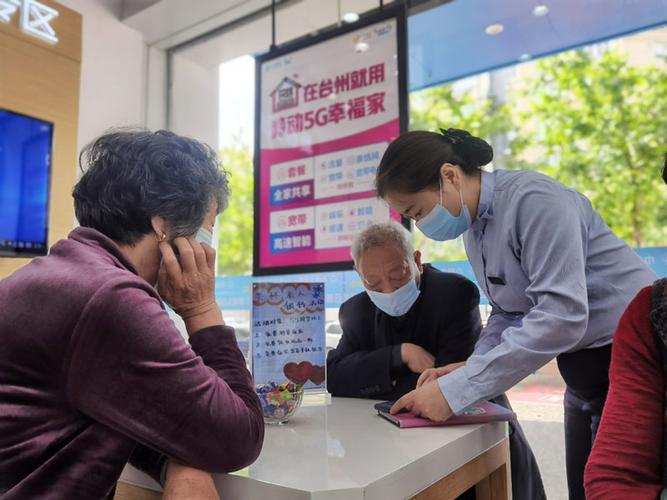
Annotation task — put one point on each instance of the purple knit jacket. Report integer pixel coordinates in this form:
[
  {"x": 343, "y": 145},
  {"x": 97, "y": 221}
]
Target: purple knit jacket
[{"x": 93, "y": 374}]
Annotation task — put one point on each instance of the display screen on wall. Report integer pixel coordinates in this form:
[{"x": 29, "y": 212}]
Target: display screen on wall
[
  {"x": 326, "y": 110},
  {"x": 25, "y": 164}
]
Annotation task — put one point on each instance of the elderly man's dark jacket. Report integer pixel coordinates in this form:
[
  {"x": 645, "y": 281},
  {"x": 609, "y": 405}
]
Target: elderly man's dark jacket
[{"x": 444, "y": 320}]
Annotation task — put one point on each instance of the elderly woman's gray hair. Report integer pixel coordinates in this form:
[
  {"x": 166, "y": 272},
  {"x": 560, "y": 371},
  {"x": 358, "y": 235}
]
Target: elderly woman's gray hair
[
  {"x": 381, "y": 234},
  {"x": 132, "y": 175}
]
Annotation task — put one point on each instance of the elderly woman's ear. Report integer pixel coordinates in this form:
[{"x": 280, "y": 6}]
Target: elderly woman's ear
[{"x": 159, "y": 228}]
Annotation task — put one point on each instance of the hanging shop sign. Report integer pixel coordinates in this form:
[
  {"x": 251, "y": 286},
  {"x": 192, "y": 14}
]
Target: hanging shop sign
[{"x": 34, "y": 18}]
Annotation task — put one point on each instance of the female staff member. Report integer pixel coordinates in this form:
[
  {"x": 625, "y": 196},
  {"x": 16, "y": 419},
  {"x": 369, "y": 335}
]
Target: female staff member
[{"x": 555, "y": 275}]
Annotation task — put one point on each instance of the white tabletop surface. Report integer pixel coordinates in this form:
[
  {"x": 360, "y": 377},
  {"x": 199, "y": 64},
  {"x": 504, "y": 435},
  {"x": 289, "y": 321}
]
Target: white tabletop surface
[{"x": 346, "y": 451}]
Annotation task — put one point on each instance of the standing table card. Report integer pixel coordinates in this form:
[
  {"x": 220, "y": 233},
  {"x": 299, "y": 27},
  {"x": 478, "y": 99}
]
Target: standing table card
[{"x": 288, "y": 335}]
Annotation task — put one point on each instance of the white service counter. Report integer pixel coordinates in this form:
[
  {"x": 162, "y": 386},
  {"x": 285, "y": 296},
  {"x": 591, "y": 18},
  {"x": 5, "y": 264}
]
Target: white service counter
[{"x": 345, "y": 451}]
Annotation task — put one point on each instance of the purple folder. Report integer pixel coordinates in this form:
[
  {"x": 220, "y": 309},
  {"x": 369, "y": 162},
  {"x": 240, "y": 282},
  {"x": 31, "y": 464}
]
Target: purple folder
[{"x": 477, "y": 414}]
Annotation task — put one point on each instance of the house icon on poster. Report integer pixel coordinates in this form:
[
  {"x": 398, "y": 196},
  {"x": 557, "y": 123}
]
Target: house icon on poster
[{"x": 285, "y": 95}]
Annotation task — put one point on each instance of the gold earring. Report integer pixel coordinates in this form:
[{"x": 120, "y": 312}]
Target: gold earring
[{"x": 161, "y": 238}]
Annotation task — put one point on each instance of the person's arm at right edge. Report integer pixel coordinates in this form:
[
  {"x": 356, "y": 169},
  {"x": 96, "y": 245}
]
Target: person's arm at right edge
[{"x": 625, "y": 461}]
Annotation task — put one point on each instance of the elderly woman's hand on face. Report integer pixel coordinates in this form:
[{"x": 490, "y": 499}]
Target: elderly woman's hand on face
[{"x": 187, "y": 283}]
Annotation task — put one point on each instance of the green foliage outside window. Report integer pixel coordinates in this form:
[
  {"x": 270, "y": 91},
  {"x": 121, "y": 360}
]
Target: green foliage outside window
[
  {"x": 594, "y": 122},
  {"x": 235, "y": 225}
]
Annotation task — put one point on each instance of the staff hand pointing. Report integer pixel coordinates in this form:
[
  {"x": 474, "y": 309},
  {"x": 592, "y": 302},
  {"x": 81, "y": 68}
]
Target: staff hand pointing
[
  {"x": 435, "y": 373},
  {"x": 427, "y": 402}
]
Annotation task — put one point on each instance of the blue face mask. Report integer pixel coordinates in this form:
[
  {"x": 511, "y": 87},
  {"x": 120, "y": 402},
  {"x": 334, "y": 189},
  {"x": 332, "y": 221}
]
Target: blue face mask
[
  {"x": 441, "y": 225},
  {"x": 398, "y": 302},
  {"x": 204, "y": 236}
]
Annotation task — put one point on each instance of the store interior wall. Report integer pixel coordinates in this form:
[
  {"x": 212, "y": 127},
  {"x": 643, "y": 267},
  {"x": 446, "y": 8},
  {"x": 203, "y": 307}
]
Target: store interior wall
[
  {"x": 122, "y": 84},
  {"x": 41, "y": 80},
  {"x": 113, "y": 70}
]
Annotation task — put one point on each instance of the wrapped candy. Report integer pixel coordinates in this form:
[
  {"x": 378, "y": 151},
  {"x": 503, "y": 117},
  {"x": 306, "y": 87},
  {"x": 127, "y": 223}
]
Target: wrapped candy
[{"x": 279, "y": 401}]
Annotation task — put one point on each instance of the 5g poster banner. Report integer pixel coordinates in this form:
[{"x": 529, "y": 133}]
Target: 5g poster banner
[{"x": 326, "y": 111}]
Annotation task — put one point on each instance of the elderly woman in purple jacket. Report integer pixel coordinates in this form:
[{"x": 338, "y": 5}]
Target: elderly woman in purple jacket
[{"x": 93, "y": 372}]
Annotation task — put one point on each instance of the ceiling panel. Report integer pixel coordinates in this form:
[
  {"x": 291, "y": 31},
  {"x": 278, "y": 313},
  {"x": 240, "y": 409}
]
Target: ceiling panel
[{"x": 449, "y": 42}]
